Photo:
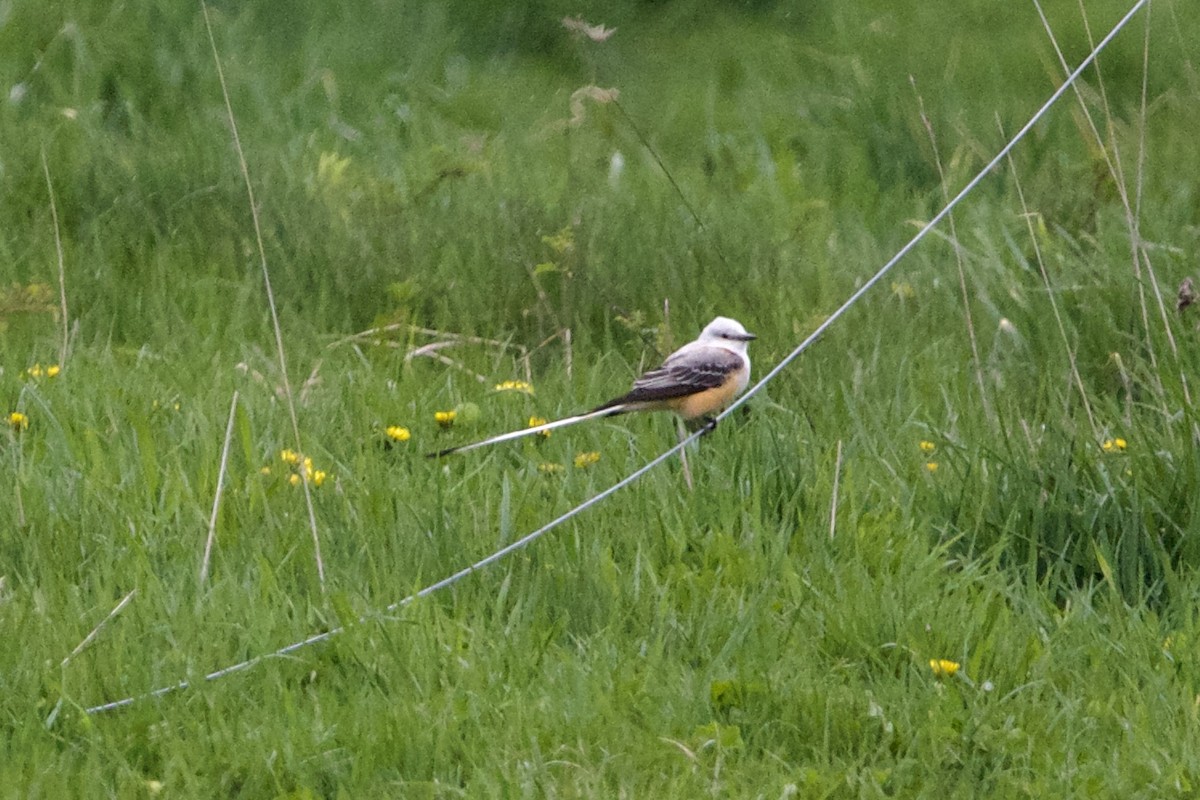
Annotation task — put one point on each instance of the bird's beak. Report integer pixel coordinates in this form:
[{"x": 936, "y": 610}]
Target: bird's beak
[{"x": 748, "y": 337}]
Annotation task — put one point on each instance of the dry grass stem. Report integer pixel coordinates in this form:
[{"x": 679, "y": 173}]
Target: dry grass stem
[
  {"x": 833, "y": 500},
  {"x": 266, "y": 273},
  {"x": 212, "y": 520},
  {"x": 87, "y": 640},
  {"x": 958, "y": 256},
  {"x": 1138, "y": 252},
  {"x": 1041, "y": 262},
  {"x": 62, "y": 270}
]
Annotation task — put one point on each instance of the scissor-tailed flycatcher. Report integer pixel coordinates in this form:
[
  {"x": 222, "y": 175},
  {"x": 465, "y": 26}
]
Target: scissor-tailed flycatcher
[{"x": 696, "y": 381}]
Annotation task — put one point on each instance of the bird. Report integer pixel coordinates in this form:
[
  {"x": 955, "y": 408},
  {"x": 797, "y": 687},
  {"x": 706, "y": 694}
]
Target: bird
[{"x": 696, "y": 382}]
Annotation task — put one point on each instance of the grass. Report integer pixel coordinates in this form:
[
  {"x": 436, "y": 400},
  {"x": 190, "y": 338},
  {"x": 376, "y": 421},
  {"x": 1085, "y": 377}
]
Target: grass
[{"x": 415, "y": 168}]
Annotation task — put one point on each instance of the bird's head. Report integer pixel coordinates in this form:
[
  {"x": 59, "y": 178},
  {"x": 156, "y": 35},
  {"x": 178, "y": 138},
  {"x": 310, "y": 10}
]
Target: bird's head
[{"x": 726, "y": 332}]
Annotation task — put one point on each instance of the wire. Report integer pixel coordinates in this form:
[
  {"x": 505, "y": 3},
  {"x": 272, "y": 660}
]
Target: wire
[{"x": 633, "y": 476}]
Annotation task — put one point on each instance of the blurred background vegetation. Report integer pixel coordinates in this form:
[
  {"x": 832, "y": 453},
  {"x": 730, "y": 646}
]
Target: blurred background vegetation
[{"x": 379, "y": 133}]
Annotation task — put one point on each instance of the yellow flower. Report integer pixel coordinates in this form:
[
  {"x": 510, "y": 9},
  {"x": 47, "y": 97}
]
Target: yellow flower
[
  {"x": 445, "y": 418},
  {"x": 308, "y": 472},
  {"x": 932, "y": 466},
  {"x": 1113, "y": 445},
  {"x": 927, "y": 447},
  {"x": 265, "y": 471},
  {"x": 586, "y": 459},
  {"x": 397, "y": 433},
  {"x": 514, "y": 386},
  {"x": 38, "y": 371},
  {"x": 536, "y": 421},
  {"x": 550, "y": 469},
  {"x": 903, "y": 290},
  {"x": 942, "y": 668},
  {"x": 318, "y": 477},
  {"x": 302, "y": 469},
  {"x": 18, "y": 421}
]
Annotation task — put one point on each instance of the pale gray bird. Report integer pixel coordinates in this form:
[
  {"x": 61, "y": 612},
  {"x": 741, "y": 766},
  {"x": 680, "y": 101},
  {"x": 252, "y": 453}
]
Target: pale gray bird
[{"x": 696, "y": 381}]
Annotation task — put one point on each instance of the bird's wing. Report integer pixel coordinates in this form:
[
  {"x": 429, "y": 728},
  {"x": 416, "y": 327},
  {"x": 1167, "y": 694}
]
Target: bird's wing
[{"x": 684, "y": 373}]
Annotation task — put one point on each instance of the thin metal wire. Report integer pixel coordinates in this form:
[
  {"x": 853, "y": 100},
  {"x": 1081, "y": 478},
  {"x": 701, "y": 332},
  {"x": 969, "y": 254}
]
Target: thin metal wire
[{"x": 633, "y": 476}]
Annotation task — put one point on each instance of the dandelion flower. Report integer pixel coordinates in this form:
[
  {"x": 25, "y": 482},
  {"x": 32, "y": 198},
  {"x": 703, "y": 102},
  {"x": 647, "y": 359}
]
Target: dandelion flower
[
  {"x": 536, "y": 421},
  {"x": 445, "y": 418},
  {"x": 302, "y": 469},
  {"x": 931, "y": 466},
  {"x": 943, "y": 668},
  {"x": 18, "y": 421},
  {"x": 316, "y": 477},
  {"x": 1113, "y": 445},
  {"x": 397, "y": 433},
  {"x": 514, "y": 386},
  {"x": 584, "y": 460},
  {"x": 37, "y": 371},
  {"x": 927, "y": 447}
]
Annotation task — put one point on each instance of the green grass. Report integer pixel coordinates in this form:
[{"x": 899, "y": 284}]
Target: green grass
[{"x": 414, "y": 168}]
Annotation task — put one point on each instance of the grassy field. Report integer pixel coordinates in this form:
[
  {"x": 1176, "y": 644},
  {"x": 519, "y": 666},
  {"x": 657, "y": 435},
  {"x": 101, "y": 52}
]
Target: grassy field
[{"x": 951, "y": 552}]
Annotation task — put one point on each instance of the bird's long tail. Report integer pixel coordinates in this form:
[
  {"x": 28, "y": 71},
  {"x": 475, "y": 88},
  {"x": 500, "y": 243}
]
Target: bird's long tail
[{"x": 604, "y": 411}]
